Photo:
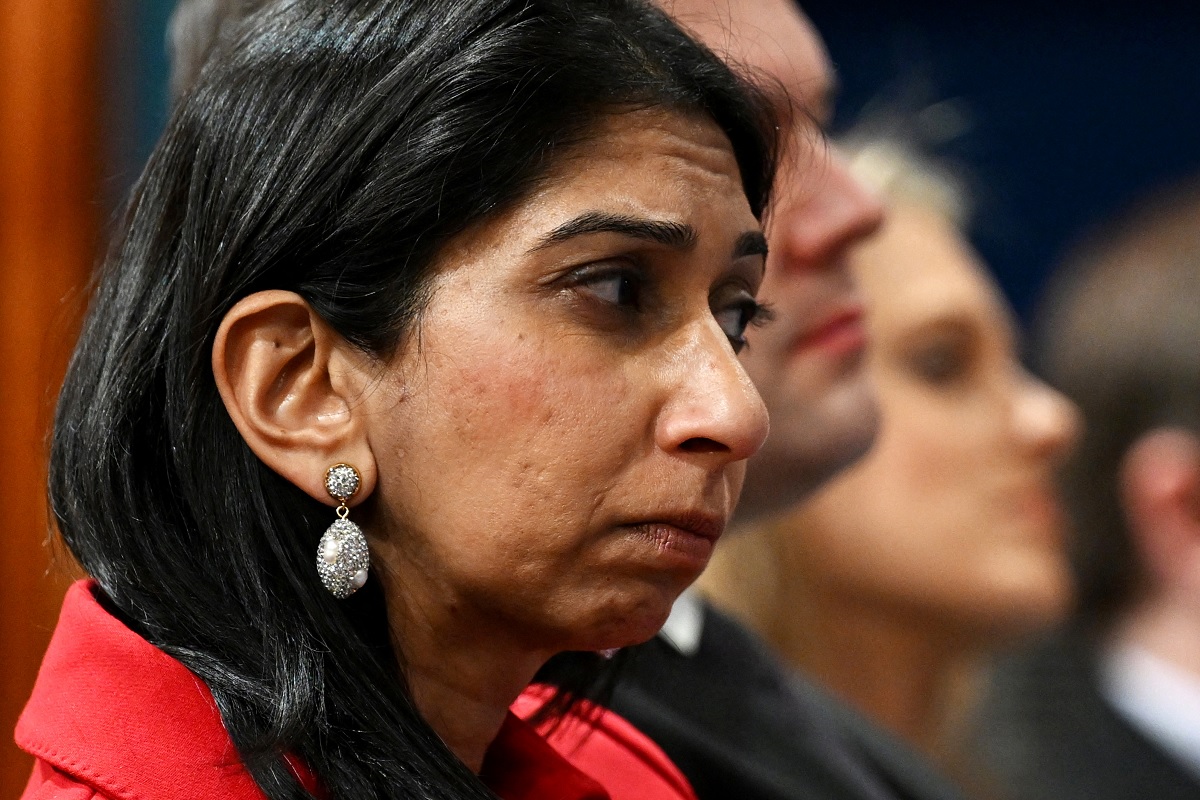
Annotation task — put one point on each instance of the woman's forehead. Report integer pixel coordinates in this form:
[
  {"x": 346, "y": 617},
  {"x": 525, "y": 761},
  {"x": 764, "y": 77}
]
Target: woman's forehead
[
  {"x": 626, "y": 140},
  {"x": 920, "y": 266},
  {"x": 653, "y": 164}
]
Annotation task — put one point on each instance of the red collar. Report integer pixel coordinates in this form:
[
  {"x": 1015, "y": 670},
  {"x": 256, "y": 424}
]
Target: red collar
[
  {"x": 520, "y": 765},
  {"x": 113, "y": 711}
]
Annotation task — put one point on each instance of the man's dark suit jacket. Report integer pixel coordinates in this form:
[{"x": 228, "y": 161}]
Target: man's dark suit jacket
[
  {"x": 741, "y": 726},
  {"x": 1048, "y": 733}
]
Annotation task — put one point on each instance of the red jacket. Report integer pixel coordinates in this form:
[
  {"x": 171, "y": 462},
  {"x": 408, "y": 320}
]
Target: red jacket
[
  {"x": 114, "y": 718},
  {"x": 601, "y": 743}
]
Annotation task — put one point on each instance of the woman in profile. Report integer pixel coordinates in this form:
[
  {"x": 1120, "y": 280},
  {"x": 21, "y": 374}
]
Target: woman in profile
[
  {"x": 413, "y": 366},
  {"x": 895, "y": 583}
]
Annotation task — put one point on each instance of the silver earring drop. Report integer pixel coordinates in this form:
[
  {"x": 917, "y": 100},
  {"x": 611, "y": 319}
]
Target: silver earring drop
[{"x": 342, "y": 556}]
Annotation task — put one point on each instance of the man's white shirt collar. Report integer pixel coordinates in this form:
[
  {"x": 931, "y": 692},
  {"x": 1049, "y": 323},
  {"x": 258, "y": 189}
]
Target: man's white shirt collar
[
  {"x": 1157, "y": 697},
  {"x": 685, "y": 625}
]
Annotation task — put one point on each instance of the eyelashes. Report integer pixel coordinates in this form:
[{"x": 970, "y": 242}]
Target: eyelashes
[
  {"x": 629, "y": 292},
  {"x": 620, "y": 287},
  {"x": 764, "y": 314},
  {"x": 737, "y": 319}
]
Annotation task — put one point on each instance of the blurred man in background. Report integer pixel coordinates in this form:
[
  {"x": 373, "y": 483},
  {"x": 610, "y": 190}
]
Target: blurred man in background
[{"x": 1110, "y": 709}]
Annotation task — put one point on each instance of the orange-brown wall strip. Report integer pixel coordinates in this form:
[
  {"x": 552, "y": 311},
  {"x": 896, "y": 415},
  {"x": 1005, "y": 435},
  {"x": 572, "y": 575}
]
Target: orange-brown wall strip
[{"x": 49, "y": 218}]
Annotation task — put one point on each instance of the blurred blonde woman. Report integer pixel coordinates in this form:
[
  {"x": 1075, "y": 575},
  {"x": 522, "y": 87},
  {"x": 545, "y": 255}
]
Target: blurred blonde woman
[{"x": 894, "y": 583}]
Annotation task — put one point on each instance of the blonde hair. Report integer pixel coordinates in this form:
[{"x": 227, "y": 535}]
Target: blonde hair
[{"x": 896, "y": 168}]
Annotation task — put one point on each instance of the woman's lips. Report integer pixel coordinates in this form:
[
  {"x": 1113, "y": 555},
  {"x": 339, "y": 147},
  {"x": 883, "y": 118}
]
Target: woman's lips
[
  {"x": 688, "y": 540},
  {"x": 841, "y": 334}
]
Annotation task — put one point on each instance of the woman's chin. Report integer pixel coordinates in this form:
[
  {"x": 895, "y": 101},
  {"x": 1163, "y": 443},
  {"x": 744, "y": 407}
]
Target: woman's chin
[{"x": 632, "y": 626}]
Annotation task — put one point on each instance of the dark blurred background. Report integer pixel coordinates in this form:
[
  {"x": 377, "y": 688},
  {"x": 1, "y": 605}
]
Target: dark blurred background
[
  {"x": 1061, "y": 112},
  {"x": 1068, "y": 109}
]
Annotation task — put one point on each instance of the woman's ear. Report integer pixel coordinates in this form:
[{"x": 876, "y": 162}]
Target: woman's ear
[{"x": 291, "y": 385}]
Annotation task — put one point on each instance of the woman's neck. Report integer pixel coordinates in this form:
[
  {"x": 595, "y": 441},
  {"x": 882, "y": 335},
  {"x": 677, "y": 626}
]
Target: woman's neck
[
  {"x": 464, "y": 707},
  {"x": 462, "y": 677},
  {"x": 897, "y": 668}
]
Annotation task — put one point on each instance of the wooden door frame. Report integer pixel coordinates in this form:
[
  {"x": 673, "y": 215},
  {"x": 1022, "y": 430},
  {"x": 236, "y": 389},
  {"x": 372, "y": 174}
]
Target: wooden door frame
[{"x": 50, "y": 85}]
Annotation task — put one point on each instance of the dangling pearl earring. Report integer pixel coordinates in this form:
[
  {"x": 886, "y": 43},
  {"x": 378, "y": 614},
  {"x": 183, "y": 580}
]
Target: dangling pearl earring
[{"x": 342, "y": 555}]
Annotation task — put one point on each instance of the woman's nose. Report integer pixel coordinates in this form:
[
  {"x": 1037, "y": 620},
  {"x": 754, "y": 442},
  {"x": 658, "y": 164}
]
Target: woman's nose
[
  {"x": 713, "y": 410},
  {"x": 1046, "y": 420}
]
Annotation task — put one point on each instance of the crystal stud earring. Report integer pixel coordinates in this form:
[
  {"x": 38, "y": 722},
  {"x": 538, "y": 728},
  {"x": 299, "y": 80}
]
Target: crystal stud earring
[{"x": 342, "y": 556}]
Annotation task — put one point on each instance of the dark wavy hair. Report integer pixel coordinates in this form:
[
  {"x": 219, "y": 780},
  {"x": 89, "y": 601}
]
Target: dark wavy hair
[{"x": 331, "y": 148}]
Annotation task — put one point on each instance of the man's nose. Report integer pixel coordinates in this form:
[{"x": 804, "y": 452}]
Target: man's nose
[{"x": 823, "y": 211}]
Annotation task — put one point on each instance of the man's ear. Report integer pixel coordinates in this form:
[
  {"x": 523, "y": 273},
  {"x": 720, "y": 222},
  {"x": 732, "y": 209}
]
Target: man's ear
[
  {"x": 291, "y": 385},
  {"x": 1160, "y": 493}
]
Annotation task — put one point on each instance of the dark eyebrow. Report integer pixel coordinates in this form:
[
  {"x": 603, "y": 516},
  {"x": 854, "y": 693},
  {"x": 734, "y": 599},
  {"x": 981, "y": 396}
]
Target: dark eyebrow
[
  {"x": 671, "y": 234},
  {"x": 750, "y": 243}
]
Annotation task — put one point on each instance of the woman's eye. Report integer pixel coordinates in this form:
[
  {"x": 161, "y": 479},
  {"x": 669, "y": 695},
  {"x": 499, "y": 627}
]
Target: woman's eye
[
  {"x": 940, "y": 363},
  {"x": 735, "y": 319},
  {"x": 618, "y": 288}
]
